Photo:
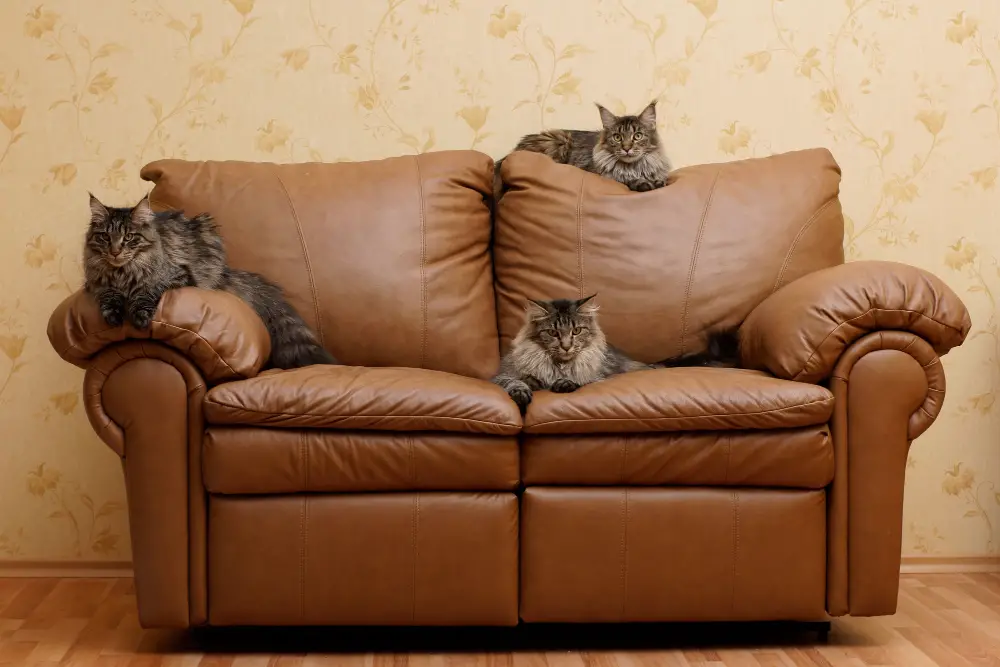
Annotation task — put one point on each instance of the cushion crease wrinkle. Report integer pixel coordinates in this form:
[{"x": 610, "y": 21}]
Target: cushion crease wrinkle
[
  {"x": 795, "y": 242},
  {"x": 694, "y": 260},
  {"x": 423, "y": 267},
  {"x": 305, "y": 255}
]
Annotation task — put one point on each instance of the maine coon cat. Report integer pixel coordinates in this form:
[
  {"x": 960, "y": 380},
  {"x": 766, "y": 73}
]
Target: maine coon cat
[
  {"x": 133, "y": 255},
  {"x": 562, "y": 347},
  {"x": 626, "y": 149}
]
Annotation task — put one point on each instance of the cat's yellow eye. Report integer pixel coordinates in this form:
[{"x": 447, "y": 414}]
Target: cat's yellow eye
[
  {"x": 577, "y": 331},
  {"x": 616, "y": 137},
  {"x": 550, "y": 332},
  {"x": 637, "y": 136},
  {"x": 129, "y": 236}
]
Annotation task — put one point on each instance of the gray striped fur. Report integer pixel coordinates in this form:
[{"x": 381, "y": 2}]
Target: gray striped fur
[{"x": 133, "y": 255}]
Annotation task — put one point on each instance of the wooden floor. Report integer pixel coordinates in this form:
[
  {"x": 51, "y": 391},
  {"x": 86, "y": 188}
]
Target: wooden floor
[{"x": 948, "y": 619}]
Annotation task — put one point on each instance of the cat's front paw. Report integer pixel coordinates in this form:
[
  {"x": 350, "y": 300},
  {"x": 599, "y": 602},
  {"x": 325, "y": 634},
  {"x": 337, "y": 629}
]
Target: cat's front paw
[
  {"x": 642, "y": 186},
  {"x": 564, "y": 386},
  {"x": 140, "y": 317},
  {"x": 521, "y": 395},
  {"x": 113, "y": 314}
]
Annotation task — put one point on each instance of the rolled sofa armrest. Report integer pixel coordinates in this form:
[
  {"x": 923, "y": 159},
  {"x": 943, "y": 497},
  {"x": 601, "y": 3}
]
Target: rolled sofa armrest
[
  {"x": 800, "y": 331},
  {"x": 217, "y": 331}
]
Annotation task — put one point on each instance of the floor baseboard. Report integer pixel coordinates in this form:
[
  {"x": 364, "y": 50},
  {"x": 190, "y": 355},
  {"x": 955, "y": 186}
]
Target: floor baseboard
[
  {"x": 916, "y": 564},
  {"x": 922, "y": 564}
]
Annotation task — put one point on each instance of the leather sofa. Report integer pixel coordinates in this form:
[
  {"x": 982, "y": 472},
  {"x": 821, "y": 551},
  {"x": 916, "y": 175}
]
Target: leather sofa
[{"x": 405, "y": 489}]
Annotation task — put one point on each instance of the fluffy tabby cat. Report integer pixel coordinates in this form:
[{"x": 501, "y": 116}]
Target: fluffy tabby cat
[
  {"x": 133, "y": 255},
  {"x": 562, "y": 347},
  {"x": 627, "y": 149}
]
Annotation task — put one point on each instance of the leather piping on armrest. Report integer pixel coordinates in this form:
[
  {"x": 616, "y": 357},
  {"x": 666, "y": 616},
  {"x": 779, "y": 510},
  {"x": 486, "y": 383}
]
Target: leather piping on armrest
[
  {"x": 921, "y": 351},
  {"x": 105, "y": 363},
  {"x": 873, "y": 313}
]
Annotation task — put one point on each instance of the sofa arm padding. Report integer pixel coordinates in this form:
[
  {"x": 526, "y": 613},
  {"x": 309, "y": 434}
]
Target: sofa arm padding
[
  {"x": 145, "y": 400},
  {"x": 800, "y": 331},
  {"x": 218, "y": 331}
]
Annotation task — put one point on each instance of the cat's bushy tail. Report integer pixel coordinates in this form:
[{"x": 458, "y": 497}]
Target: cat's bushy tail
[
  {"x": 557, "y": 144},
  {"x": 722, "y": 350},
  {"x": 293, "y": 344}
]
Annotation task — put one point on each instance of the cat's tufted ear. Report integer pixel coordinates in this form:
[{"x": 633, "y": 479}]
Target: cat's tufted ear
[
  {"x": 537, "y": 310},
  {"x": 608, "y": 119},
  {"x": 142, "y": 213},
  {"x": 648, "y": 115},
  {"x": 587, "y": 305},
  {"x": 98, "y": 211}
]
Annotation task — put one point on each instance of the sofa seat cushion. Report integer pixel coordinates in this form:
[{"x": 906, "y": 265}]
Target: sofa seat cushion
[
  {"x": 800, "y": 458},
  {"x": 365, "y": 399},
  {"x": 681, "y": 399},
  {"x": 252, "y": 460}
]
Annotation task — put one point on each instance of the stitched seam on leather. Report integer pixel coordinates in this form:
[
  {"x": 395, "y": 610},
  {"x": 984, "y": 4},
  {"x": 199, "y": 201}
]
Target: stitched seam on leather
[
  {"x": 736, "y": 547},
  {"x": 414, "y": 527},
  {"x": 305, "y": 458},
  {"x": 694, "y": 259},
  {"x": 201, "y": 338},
  {"x": 327, "y": 414},
  {"x": 303, "y": 514},
  {"x": 668, "y": 419},
  {"x": 729, "y": 455},
  {"x": 302, "y": 460},
  {"x": 305, "y": 254},
  {"x": 795, "y": 242},
  {"x": 423, "y": 269},
  {"x": 76, "y": 346},
  {"x": 579, "y": 235},
  {"x": 624, "y": 552},
  {"x": 413, "y": 463},
  {"x": 624, "y": 456},
  {"x": 870, "y": 311}
]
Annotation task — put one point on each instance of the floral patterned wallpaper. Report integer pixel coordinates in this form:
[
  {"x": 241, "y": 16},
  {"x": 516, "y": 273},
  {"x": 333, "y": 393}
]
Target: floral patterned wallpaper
[{"x": 905, "y": 93}]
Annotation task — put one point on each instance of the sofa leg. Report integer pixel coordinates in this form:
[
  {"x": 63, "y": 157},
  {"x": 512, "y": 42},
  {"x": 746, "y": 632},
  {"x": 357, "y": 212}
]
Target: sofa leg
[{"x": 822, "y": 629}]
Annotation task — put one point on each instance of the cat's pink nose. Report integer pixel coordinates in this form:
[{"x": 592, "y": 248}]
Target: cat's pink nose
[{"x": 115, "y": 253}]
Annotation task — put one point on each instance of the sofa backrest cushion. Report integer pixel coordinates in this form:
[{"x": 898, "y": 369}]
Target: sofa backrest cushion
[
  {"x": 388, "y": 261},
  {"x": 670, "y": 264}
]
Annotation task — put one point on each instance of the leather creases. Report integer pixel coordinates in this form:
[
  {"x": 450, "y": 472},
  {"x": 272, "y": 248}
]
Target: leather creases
[
  {"x": 800, "y": 332},
  {"x": 217, "y": 331},
  {"x": 355, "y": 397},
  {"x": 387, "y": 260},
  {"x": 404, "y": 488}
]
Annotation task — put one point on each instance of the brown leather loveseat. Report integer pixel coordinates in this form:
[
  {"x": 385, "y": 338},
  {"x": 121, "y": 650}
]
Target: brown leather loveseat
[{"x": 406, "y": 489}]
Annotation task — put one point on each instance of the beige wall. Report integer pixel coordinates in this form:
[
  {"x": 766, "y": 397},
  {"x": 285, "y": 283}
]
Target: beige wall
[{"x": 906, "y": 94}]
